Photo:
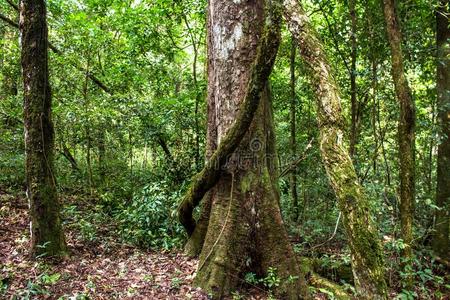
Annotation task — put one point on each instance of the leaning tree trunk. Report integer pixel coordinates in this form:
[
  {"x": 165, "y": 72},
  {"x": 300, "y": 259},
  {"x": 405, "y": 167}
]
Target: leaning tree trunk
[
  {"x": 46, "y": 232},
  {"x": 367, "y": 255},
  {"x": 441, "y": 237},
  {"x": 406, "y": 130},
  {"x": 245, "y": 232}
]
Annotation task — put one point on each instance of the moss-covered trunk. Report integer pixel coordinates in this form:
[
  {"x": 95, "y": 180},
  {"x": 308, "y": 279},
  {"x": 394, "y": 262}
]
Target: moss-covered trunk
[
  {"x": 441, "y": 237},
  {"x": 46, "y": 232},
  {"x": 245, "y": 231},
  {"x": 367, "y": 255},
  {"x": 406, "y": 131}
]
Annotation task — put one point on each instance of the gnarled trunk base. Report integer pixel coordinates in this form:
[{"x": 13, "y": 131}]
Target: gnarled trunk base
[{"x": 246, "y": 231}]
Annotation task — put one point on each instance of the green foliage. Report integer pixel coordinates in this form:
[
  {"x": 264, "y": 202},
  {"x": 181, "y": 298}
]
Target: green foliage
[
  {"x": 270, "y": 281},
  {"x": 150, "y": 218},
  {"x": 37, "y": 288},
  {"x": 141, "y": 136},
  {"x": 176, "y": 283}
]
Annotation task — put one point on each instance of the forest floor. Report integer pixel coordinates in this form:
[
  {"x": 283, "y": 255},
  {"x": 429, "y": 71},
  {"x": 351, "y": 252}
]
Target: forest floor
[
  {"x": 99, "y": 264},
  {"x": 103, "y": 268}
]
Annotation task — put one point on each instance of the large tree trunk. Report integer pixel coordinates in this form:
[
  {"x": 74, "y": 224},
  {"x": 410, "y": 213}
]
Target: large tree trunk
[
  {"x": 46, "y": 233},
  {"x": 367, "y": 255},
  {"x": 245, "y": 231},
  {"x": 441, "y": 238},
  {"x": 406, "y": 129}
]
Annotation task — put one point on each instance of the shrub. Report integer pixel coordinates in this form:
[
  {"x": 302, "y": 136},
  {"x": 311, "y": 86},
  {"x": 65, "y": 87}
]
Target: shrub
[{"x": 150, "y": 219}]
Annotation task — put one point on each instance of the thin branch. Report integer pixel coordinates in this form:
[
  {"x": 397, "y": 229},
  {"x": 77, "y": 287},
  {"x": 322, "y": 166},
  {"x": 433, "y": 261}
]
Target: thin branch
[
  {"x": 295, "y": 163},
  {"x": 9, "y": 21},
  {"x": 333, "y": 37},
  {"x": 13, "y": 5}
]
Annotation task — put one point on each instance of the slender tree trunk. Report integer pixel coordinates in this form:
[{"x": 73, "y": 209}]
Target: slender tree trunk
[
  {"x": 47, "y": 236},
  {"x": 102, "y": 155},
  {"x": 383, "y": 148},
  {"x": 144, "y": 161},
  {"x": 441, "y": 238},
  {"x": 353, "y": 91},
  {"x": 195, "y": 243},
  {"x": 406, "y": 131},
  {"x": 245, "y": 231},
  {"x": 88, "y": 132},
  {"x": 130, "y": 140},
  {"x": 68, "y": 155},
  {"x": 293, "y": 142},
  {"x": 374, "y": 87},
  {"x": 429, "y": 160},
  {"x": 367, "y": 255},
  {"x": 374, "y": 113},
  {"x": 197, "y": 93}
]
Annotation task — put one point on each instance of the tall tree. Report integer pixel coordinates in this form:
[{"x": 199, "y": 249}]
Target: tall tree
[
  {"x": 406, "y": 128},
  {"x": 367, "y": 255},
  {"x": 353, "y": 92},
  {"x": 245, "y": 230},
  {"x": 292, "y": 141},
  {"x": 441, "y": 238},
  {"x": 47, "y": 236}
]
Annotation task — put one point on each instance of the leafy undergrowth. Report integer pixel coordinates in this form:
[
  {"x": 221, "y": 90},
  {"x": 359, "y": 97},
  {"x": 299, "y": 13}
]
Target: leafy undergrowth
[{"x": 99, "y": 266}]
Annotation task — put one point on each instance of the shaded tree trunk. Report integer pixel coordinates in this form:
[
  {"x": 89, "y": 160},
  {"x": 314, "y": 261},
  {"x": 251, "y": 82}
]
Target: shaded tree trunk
[
  {"x": 292, "y": 141},
  {"x": 406, "y": 130},
  {"x": 367, "y": 255},
  {"x": 245, "y": 230},
  {"x": 47, "y": 236},
  {"x": 441, "y": 238}
]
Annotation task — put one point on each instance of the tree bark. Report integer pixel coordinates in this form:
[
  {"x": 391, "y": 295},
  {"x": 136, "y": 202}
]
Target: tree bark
[
  {"x": 47, "y": 238},
  {"x": 207, "y": 178},
  {"x": 245, "y": 232},
  {"x": 441, "y": 238},
  {"x": 367, "y": 255},
  {"x": 406, "y": 130}
]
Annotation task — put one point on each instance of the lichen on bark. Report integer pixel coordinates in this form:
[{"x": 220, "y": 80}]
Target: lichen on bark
[
  {"x": 405, "y": 134},
  {"x": 367, "y": 257}
]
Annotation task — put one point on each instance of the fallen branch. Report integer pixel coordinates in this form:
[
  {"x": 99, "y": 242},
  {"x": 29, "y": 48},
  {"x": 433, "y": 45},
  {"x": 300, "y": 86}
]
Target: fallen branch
[
  {"x": 319, "y": 282},
  {"x": 310, "y": 267}
]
